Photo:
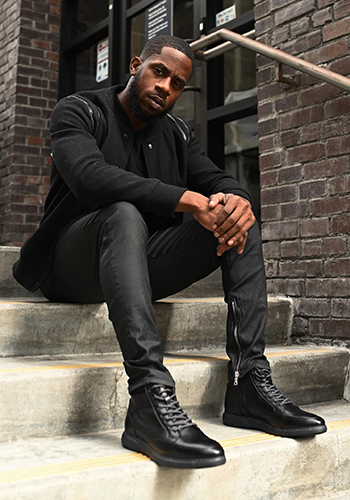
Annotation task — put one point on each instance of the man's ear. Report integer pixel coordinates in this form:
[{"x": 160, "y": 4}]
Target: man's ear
[{"x": 135, "y": 64}]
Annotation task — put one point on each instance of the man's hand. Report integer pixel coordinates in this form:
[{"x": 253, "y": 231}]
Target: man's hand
[
  {"x": 228, "y": 216},
  {"x": 232, "y": 225}
]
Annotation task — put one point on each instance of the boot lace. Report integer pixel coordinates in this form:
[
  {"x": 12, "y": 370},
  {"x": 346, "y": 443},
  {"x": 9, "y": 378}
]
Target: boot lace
[
  {"x": 263, "y": 377},
  {"x": 170, "y": 409}
]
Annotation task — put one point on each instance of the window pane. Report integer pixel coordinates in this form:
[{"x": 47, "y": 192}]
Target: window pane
[
  {"x": 91, "y": 12},
  {"x": 85, "y": 78},
  {"x": 183, "y": 19},
  {"x": 185, "y": 105},
  {"x": 239, "y": 75},
  {"x": 242, "y": 156},
  {"x": 242, "y": 6},
  {"x": 137, "y": 34}
]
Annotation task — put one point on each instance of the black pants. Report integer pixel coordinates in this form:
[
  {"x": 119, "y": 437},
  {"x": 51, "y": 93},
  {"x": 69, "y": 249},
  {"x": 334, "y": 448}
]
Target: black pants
[{"x": 109, "y": 256}]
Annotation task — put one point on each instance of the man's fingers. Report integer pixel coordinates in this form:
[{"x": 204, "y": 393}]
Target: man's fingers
[{"x": 240, "y": 245}]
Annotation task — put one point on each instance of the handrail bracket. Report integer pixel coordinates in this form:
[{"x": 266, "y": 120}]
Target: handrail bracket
[{"x": 291, "y": 81}]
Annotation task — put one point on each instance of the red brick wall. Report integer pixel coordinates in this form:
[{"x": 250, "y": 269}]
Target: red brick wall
[
  {"x": 304, "y": 164},
  {"x": 29, "y": 45}
]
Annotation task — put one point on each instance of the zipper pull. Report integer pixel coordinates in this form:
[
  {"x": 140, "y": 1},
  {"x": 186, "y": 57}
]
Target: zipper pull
[{"x": 235, "y": 382}]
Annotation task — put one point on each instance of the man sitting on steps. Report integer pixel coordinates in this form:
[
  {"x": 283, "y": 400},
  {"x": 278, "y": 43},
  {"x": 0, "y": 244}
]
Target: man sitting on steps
[{"x": 123, "y": 172}]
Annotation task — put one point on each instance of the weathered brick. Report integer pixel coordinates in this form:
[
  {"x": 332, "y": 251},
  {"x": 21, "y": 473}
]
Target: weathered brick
[
  {"x": 305, "y": 153},
  {"x": 321, "y": 17},
  {"x": 267, "y": 143},
  {"x": 341, "y": 224},
  {"x": 290, "y": 248},
  {"x": 290, "y": 174},
  {"x": 337, "y": 145},
  {"x": 336, "y": 328},
  {"x": 313, "y": 307},
  {"x": 271, "y": 250},
  {"x": 302, "y": 117},
  {"x": 270, "y": 160},
  {"x": 269, "y": 212},
  {"x": 330, "y": 205},
  {"x": 291, "y": 287},
  {"x": 312, "y": 189},
  {"x": 281, "y": 230},
  {"x": 314, "y": 227},
  {"x": 336, "y": 29},
  {"x": 326, "y": 168},
  {"x": 318, "y": 94},
  {"x": 311, "y": 248},
  {"x": 310, "y": 133},
  {"x": 338, "y": 107},
  {"x": 290, "y": 138},
  {"x": 297, "y": 9},
  {"x": 341, "y": 9},
  {"x": 299, "y": 27},
  {"x": 278, "y": 194},
  {"x": 328, "y": 52},
  {"x": 299, "y": 268},
  {"x": 332, "y": 128},
  {"x": 337, "y": 267},
  {"x": 341, "y": 308},
  {"x": 334, "y": 245},
  {"x": 328, "y": 287},
  {"x": 268, "y": 178}
]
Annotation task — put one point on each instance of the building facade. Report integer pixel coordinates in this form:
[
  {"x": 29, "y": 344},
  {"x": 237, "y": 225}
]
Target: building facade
[{"x": 289, "y": 144}]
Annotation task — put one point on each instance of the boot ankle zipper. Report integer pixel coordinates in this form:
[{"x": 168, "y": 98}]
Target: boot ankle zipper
[{"x": 235, "y": 334}]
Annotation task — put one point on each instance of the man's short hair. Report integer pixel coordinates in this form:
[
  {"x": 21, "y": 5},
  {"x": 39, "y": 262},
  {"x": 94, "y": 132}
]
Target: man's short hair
[{"x": 157, "y": 43}]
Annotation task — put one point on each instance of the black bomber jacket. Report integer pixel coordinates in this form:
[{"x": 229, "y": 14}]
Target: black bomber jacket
[{"x": 89, "y": 152}]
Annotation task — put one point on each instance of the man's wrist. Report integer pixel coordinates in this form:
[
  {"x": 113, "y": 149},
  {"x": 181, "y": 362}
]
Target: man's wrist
[{"x": 191, "y": 202}]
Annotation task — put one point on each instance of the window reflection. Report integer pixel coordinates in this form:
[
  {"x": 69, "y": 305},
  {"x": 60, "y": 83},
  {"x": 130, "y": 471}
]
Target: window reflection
[
  {"x": 242, "y": 6},
  {"x": 137, "y": 41},
  {"x": 85, "y": 78},
  {"x": 242, "y": 156},
  {"x": 239, "y": 75},
  {"x": 91, "y": 13}
]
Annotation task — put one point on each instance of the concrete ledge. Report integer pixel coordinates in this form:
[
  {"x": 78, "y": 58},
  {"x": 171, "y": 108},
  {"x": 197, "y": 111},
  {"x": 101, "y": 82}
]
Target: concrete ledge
[
  {"x": 79, "y": 394},
  {"x": 37, "y": 327},
  {"x": 258, "y": 467}
]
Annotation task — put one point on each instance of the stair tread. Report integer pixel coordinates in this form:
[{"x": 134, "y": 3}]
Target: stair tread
[
  {"x": 83, "y": 460},
  {"x": 81, "y": 361}
]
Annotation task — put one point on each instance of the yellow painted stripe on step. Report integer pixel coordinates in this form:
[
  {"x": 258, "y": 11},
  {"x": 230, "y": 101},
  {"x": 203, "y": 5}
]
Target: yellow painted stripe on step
[
  {"x": 254, "y": 438},
  {"x": 70, "y": 467},
  {"x": 167, "y": 362},
  {"x": 127, "y": 458},
  {"x": 338, "y": 424},
  {"x": 25, "y": 369},
  {"x": 297, "y": 351}
]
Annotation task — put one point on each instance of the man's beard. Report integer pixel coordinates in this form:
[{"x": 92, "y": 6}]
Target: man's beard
[{"x": 136, "y": 107}]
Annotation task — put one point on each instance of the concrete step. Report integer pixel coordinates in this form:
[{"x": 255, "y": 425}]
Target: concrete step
[
  {"x": 79, "y": 394},
  {"x": 259, "y": 467},
  {"x": 208, "y": 287},
  {"x": 31, "y": 327}
]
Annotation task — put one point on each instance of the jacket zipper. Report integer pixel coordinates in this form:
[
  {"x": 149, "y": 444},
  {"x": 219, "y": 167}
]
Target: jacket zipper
[{"x": 235, "y": 335}]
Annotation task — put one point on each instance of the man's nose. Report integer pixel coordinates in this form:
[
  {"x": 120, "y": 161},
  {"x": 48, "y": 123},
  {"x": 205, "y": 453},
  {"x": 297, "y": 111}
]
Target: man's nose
[{"x": 164, "y": 85}]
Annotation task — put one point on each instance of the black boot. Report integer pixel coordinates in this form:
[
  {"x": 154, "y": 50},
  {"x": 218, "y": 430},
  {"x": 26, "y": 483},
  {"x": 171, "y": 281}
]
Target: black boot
[
  {"x": 157, "y": 426},
  {"x": 256, "y": 403}
]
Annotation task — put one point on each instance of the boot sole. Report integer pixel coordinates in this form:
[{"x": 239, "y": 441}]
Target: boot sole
[
  {"x": 135, "y": 444},
  {"x": 254, "y": 423}
]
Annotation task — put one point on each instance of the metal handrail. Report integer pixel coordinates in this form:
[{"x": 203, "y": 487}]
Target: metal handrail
[{"x": 235, "y": 39}]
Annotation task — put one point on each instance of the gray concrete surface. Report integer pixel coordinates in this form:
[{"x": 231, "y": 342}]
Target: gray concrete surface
[
  {"x": 31, "y": 327},
  {"x": 258, "y": 467},
  {"x": 49, "y": 396}
]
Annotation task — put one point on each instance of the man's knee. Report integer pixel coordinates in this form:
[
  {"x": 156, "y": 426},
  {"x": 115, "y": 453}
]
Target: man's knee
[{"x": 125, "y": 218}]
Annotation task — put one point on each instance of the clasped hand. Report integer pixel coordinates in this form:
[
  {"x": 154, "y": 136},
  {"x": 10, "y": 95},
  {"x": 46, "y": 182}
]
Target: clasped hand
[{"x": 229, "y": 217}]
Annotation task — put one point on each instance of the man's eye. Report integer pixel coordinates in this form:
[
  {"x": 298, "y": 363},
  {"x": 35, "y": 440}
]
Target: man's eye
[{"x": 158, "y": 71}]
